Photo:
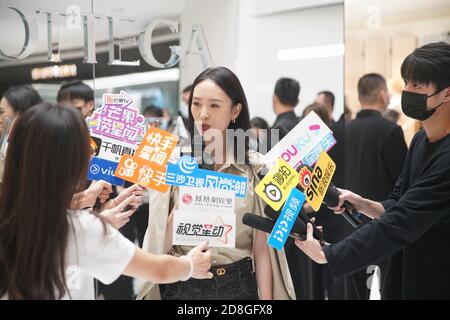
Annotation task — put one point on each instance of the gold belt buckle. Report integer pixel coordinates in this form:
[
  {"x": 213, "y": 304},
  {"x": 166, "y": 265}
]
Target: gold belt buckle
[{"x": 220, "y": 271}]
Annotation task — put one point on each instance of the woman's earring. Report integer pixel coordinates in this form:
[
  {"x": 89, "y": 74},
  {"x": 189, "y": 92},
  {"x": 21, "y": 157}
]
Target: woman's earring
[{"x": 233, "y": 120}]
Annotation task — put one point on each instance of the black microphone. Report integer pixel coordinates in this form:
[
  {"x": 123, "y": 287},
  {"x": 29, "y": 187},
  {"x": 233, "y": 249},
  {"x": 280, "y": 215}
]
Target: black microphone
[
  {"x": 298, "y": 227},
  {"x": 266, "y": 225},
  {"x": 299, "y": 223},
  {"x": 331, "y": 199}
]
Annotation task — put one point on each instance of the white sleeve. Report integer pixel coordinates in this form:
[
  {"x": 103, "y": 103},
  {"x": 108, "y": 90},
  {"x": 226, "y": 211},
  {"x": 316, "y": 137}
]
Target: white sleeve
[{"x": 102, "y": 254}]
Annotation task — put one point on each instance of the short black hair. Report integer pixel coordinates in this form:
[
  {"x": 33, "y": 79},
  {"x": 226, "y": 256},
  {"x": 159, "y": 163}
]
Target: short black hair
[
  {"x": 260, "y": 123},
  {"x": 329, "y": 96},
  {"x": 75, "y": 90},
  {"x": 428, "y": 64},
  {"x": 369, "y": 86},
  {"x": 155, "y": 111},
  {"x": 22, "y": 97},
  {"x": 187, "y": 89},
  {"x": 287, "y": 91}
]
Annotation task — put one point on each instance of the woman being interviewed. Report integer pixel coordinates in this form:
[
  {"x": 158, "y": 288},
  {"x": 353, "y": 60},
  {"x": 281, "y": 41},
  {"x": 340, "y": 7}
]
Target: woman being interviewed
[
  {"x": 250, "y": 270},
  {"x": 48, "y": 251}
]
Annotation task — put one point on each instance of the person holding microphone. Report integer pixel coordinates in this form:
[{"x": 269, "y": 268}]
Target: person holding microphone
[
  {"x": 47, "y": 250},
  {"x": 411, "y": 227}
]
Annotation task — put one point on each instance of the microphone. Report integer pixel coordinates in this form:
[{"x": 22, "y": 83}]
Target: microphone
[
  {"x": 331, "y": 199},
  {"x": 299, "y": 224},
  {"x": 266, "y": 225},
  {"x": 298, "y": 227}
]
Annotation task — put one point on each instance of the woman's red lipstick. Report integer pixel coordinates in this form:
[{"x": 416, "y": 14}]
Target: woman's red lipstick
[{"x": 205, "y": 127}]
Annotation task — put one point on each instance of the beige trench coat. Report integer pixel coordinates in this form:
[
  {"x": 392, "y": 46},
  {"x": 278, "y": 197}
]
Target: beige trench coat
[{"x": 283, "y": 288}]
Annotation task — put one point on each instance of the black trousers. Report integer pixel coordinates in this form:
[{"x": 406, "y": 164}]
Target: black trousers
[{"x": 235, "y": 281}]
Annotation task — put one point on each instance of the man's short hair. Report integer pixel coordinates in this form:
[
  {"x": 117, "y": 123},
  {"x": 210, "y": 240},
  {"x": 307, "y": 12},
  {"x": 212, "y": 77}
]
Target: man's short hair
[
  {"x": 153, "y": 111},
  {"x": 329, "y": 97},
  {"x": 428, "y": 64},
  {"x": 287, "y": 91},
  {"x": 369, "y": 86},
  {"x": 187, "y": 89},
  {"x": 75, "y": 90}
]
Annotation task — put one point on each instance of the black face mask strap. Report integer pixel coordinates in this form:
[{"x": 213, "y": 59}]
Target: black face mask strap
[
  {"x": 445, "y": 87},
  {"x": 440, "y": 104}
]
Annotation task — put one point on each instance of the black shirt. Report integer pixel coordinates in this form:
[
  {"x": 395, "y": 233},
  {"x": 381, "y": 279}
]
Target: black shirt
[{"x": 414, "y": 230}]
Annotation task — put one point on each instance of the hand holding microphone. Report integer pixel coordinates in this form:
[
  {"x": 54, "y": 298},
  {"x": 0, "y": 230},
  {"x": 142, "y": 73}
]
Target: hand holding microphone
[
  {"x": 298, "y": 230},
  {"x": 299, "y": 226},
  {"x": 342, "y": 203},
  {"x": 332, "y": 200}
]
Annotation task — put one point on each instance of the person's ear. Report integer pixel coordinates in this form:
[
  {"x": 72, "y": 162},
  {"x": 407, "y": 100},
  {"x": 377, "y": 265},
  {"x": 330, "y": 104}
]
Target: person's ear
[
  {"x": 89, "y": 107},
  {"x": 447, "y": 94},
  {"x": 274, "y": 100},
  {"x": 384, "y": 96},
  {"x": 236, "y": 111}
]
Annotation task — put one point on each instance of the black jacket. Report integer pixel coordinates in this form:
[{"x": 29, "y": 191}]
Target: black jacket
[
  {"x": 375, "y": 152},
  {"x": 284, "y": 123}
]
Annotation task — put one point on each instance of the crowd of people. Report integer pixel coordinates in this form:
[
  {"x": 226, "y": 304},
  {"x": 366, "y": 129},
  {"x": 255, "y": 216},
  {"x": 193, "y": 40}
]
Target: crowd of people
[{"x": 59, "y": 231}]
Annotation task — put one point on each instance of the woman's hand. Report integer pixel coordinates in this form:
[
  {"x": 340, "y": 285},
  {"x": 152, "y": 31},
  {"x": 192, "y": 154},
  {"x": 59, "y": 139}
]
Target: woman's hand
[
  {"x": 86, "y": 199},
  {"x": 201, "y": 258},
  {"x": 311, "y": 247},
  {"x": 101, "y": 189},
  {"x": 134, "y": 190},
  {"x": 116, "y": 217}
]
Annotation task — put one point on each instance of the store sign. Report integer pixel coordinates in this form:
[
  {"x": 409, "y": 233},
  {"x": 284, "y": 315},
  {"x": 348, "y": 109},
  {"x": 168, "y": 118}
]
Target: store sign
[{"x": 196, "y": 46}]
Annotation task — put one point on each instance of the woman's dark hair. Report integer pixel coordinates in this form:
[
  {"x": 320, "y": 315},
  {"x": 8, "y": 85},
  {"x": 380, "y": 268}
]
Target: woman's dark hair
[
  {"x": 428, "y": 64},
  {"x": 230, "y": 84},
  {"x": 320, "y": 110},
  {"x": 22, "y": 98},
  {"x": 45, "y": 166}
]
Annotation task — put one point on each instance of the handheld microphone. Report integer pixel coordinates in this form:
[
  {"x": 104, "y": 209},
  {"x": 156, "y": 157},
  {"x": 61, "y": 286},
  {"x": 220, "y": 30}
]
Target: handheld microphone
[
  {"x": 331, "y": 199},
  {"x": 266, "y": 225},
  {"x": 299, "y": 224}
]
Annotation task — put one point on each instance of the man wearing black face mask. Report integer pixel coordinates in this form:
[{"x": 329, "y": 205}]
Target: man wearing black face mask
[
  {"x": 412, "y": 226},
  {"x": 376, "y": 152}
]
